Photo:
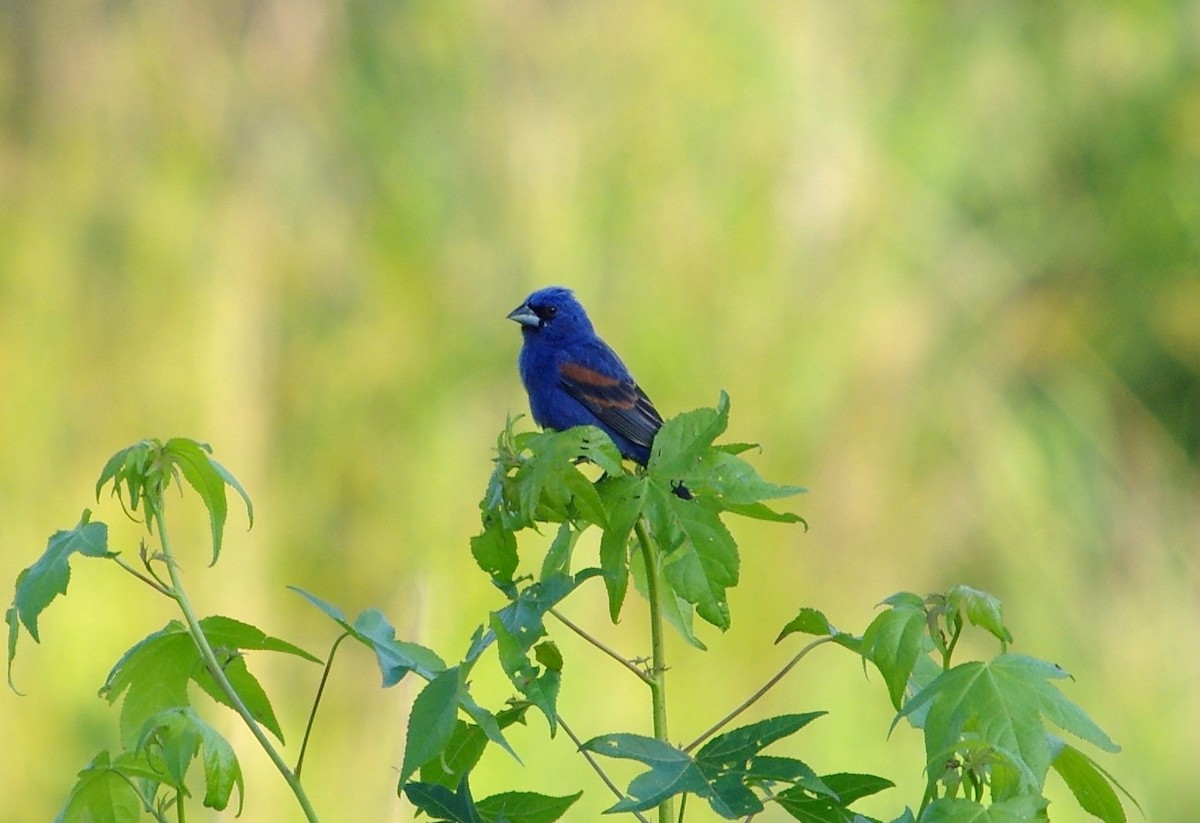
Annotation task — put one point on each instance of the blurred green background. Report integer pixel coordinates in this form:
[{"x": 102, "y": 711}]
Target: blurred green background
[{"x": 945, "y": 261}]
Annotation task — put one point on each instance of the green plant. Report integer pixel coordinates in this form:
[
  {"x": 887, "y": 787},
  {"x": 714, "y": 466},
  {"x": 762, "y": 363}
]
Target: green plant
[{"x": 986, "y": 724}]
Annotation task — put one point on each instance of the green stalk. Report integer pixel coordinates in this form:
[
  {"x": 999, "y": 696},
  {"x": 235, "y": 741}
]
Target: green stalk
[
  {"x": 658, "y": 672},
  {"x": 218, "y": 674}
]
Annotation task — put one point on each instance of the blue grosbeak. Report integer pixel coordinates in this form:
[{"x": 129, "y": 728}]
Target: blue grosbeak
[{"x": 574, "y": 379}]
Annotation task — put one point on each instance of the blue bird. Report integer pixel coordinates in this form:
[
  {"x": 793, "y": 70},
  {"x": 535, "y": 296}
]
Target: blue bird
[{"x": 574, "y": 379}]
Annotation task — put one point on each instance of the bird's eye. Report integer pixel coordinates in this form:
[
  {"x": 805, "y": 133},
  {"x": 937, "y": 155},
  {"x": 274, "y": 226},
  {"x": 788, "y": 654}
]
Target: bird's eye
[
  {"x": 551, "y": 311},
  {"x": 545, "y": 312}
]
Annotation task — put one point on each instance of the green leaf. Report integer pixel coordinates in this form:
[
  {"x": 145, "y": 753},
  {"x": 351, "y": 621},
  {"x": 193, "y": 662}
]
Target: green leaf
[
  {"x": 176, "y": 736},
  {"x": 558, "y": 556},
  {"x": 766, "y": 768},
  {"x": 1003, "y": 703},
  {"x": 734, "y": 480},
  {"x": 622, "y": 498},
  {"x": 396, "y": 658},
  {"x": 101, "y": 795},
  {"x": 153, "y": 675},
  {"x": 248, "y": 688},
  {"x": 677, "y": 611},
  {"x": 832, "y": 803},
  {"x": 517, "y": 628},
  {"x": 684, "y": 439},
  {"x": 894, "y": 641},
  {"x": 431, "y": 722},
  {"x": 1021, "y": 809},
  {"x": 760, "y": 511},
  {"x": 526, "y": 807},
  {"x": 981, "y": 609},
  {"x": 209, "y": 479},
  {"x": 725, "y": 762},
  {"x": 808, "y": 621},
  {"x": 671, "y": 770},
  {"x": 700, "y": 558},
  {"x": 231, "y": 633},
  {"x": 539, "y": 685},
  {"x": 495, "y": 551},
  {"x": 1091, "y": 785},
  {"x": 465, "y": 748},
  {"x": 548, "y": 484},
  {"x": 441, "y": 804},
  {"x": 142, "y": 472},
  {"x": 39, "y": 584},
  {"x": 740, "y": 745}
]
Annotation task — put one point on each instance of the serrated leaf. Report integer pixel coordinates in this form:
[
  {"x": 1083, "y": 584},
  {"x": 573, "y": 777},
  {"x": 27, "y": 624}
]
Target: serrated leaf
[
  {"x": 177, "y": 735},
  {"x": 767, "y": 768},
  {"x": 1023, "y": 809},
  {"x": 700, "y": 558},
  {"x": 549, "y": 485},
  {"x": 253, "y": 696},
  {"x": 441, "y": 804},
  {"x": 209, "y": 479},
  {"x": 431, "y": 722},
  {"x": 981, "y": 609},
  {"x": 733, "y": 480},
  {"x": 741, "y": 744},
  {"x": 671, "y": 770},
  {"x": 808, "y": 621},
  {"x": 229, "y": 632},
  {"x": 725, "y": 762},
  {"x": 761, "y": 511},
  {"x": 526, "y": 807},
  {"x": 893, "y": 642},
  {"x": 464, "y": 749},
  {"x": 517, "y": 628},
  {"x": 101, "y": 795},
  {"x": 396, "y": 658},
  {"x": 832, "y": 805},
  {"x": 154, "y": 673},
  {"x": 1092, "y": 786},
  {"x": 39, "y": 584},
  {"x": 540, "y": 686},
  {"x": 623, "y": 498},
  {"x": 1003, "y": 703},
  {"x": 495, "y": 551},
  {"x": 558, "y": 556},
  {"x": 684, "y": 438},
  {"x": 677, "y": 611}
]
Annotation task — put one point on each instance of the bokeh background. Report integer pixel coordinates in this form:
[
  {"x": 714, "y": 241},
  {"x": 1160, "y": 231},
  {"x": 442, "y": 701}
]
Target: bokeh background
[{"x": 943, "y": 258}]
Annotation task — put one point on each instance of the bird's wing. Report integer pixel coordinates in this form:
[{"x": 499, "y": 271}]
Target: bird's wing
[{"x": 616, "y": 400}]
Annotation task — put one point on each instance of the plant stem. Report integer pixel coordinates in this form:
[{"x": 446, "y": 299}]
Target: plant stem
[
  {"x": 218, "y": 674},
  {"x": 312, "y": 715},
  {"x": 754, "y": 698},
  {"x": 658, "y": 671},
  {"x": 149, "y": 581},
  {"x": 641, "y": 675}
]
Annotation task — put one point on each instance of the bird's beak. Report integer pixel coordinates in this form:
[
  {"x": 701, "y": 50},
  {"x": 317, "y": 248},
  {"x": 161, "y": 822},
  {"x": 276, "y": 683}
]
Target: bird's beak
[{"x": 524, "y": 315}]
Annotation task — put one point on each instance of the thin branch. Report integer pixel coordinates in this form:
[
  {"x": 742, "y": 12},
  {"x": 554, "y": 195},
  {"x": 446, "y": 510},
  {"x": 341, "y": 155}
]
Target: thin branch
[
  {"x": 754, "y": 698},
  {"x": 596, "y": 766},
  {"x": 149, "y": 581},
  {"x": 312, "y": 715},
  {"x": 615, "y": 655}
]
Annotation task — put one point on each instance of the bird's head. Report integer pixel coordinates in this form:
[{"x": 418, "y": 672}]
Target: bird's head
[{"x": 551, "y": 313}]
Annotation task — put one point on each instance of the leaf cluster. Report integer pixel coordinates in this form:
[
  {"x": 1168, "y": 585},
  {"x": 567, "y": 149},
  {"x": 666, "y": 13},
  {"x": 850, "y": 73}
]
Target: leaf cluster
[
  {"x": 987, "y": 724},
  {"x": 991, "y": 727}
]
